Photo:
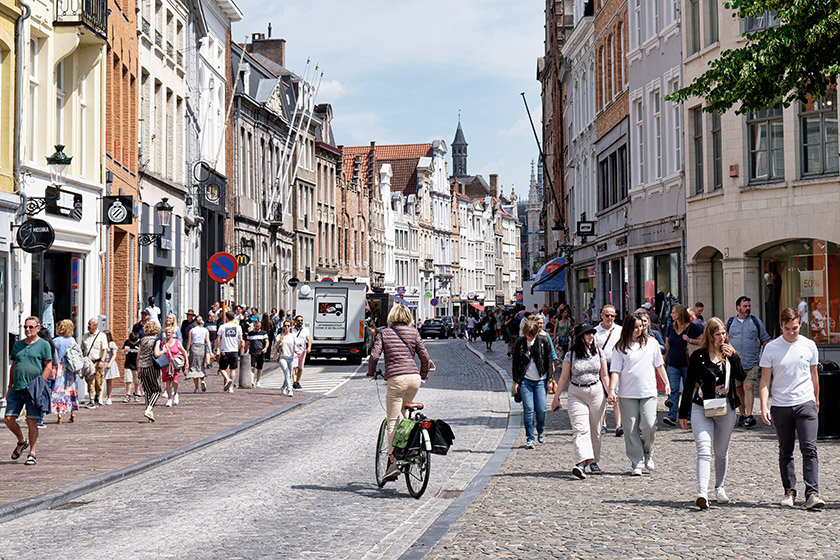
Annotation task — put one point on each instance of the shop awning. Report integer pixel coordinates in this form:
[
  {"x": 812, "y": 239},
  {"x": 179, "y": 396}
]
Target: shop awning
[
  {"x": 477, "y": 306},
  {"x": 551, "y": 277}
]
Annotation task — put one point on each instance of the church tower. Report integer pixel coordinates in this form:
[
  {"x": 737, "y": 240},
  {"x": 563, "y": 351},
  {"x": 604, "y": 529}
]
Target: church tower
[{"x": 459, "y": 152}]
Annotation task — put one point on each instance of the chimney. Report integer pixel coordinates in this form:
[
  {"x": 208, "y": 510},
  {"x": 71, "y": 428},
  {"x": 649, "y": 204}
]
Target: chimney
[
  {"x": 494, "y": 185},
  {"x": 272, "y": 49}
]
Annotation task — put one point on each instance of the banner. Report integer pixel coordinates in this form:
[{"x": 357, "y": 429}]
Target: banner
[{"x": 551, "y": 277}]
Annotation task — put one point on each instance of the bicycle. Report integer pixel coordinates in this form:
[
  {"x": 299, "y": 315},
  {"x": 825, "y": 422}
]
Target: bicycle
[{"x": 416, "y": 469}]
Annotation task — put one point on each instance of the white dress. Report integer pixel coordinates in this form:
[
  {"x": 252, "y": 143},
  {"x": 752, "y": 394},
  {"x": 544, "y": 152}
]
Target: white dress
[{"x": 114, "y": 371}]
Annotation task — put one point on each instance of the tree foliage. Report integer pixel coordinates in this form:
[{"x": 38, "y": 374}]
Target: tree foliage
[{"x": 776, "y": 66}]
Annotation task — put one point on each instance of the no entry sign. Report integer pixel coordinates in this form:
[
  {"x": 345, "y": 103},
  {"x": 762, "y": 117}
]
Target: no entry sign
[{"x": 222, "y": 267}]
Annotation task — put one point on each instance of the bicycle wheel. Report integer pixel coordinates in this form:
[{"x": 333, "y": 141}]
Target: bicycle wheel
[
  {"x": 382, "y": 453},
  {"x": 417, "y": 474}
]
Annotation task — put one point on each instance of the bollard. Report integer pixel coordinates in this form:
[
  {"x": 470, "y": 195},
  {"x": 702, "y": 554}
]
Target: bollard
[{"x": 246, "y": 378}]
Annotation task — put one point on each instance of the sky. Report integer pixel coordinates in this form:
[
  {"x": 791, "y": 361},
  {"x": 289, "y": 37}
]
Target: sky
[{"x": 399, "y": 72}]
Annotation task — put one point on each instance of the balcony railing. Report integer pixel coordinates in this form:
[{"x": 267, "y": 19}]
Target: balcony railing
[
  {"x": 158, "y": 39},
  {"x": 170, "y": 52},
  {"x": 93, "y": 14},
  {"x": 145, "y": 26}
]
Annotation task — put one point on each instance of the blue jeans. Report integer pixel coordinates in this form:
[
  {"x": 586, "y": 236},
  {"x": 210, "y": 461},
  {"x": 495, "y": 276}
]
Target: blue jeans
[
  {"x": 286, "y": 366},
  {"x": 676, "y": 377},
  {"x": 533, "y": 400}
]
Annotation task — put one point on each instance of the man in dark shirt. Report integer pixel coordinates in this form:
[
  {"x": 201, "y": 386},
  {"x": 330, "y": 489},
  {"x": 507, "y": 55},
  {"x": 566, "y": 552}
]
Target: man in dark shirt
[
  {"x": 187, "y": 325},
  {"x": 141, "y": 324},
  {"x": 257, "y": 347}
]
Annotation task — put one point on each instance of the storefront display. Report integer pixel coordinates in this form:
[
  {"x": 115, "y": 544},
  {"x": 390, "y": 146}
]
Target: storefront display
[
  {"x": 658, "y": 274},
  {"x": 804, "y": 274}
]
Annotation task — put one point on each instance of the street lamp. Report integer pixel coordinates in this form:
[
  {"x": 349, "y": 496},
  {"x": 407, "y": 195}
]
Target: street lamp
[
  {"x": 164, "y": 214},
  {"x": 562, "y": 239},
  {"x": 58, "y": 163}
]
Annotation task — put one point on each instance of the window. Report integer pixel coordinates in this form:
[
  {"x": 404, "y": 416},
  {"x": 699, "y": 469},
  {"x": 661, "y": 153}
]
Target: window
[
  {"x": 59, "y": 103},
  {"x": 83, "y": 128},
  {"x": 818, "y": 126},
  {"x": 32, "y": 133},
  {"x": 676, "y": 140},
  {"x": 717, "y": 153},
  {"x": 657, "y": 135},
  {"x": 636, "y": 29},
  {"x": 612, "y": 176},
  {"x": 713, "y": 21},
  {"x": 693, "y": 26},
  {"x": 767, "y": 154},
  {"x": 760, "y": 22},
  {"x": 697, "y": 122},
  {"x": 654, "y": 18},
  {"x": 640, "y": 139}
]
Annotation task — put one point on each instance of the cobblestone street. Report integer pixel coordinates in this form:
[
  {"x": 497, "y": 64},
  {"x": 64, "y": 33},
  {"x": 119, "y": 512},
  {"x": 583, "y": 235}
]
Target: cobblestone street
[
  {"x": 533, "y": 507},
  {"x": 299, "y": 485}
]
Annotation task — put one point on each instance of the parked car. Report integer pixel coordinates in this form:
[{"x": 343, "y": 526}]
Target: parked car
[
  {"x": 451, "y": 326},
  {"x": 433, "y": 328}
]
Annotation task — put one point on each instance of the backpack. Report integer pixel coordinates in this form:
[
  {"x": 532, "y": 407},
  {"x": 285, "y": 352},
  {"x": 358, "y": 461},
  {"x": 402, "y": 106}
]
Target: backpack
[
  {"x": 754, "y": 320},
  {"x": 73, "y": 359}
]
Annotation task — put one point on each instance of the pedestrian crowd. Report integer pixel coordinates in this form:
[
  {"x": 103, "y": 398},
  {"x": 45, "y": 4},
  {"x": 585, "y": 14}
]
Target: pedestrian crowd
[
  {"x": 707, "y": 370},
  {"x": 157, "y": 353}
]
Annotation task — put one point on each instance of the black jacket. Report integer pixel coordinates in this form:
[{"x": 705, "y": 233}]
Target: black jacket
[
  {"x": 540, "y": 352},
  {"x": 702, "y": 370},
  {"x": 38, "y": 394}
]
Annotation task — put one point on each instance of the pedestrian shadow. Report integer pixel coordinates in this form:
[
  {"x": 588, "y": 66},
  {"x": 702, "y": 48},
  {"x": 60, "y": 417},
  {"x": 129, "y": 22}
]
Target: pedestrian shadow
[
  {"x": 689, "y": 505},
  {"x": 534, "y": 474},
  {"x": 366, "y": 490}
]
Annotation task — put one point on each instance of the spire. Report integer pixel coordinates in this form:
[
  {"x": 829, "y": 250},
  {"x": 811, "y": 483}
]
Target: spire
[
  {"x": 533, "y": 189},
  {"x": 459, "y": 151}
]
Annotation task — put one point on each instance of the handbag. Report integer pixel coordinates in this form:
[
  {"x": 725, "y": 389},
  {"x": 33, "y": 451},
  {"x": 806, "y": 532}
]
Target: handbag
[
  {"x": 162, "y": 361},
  {"x": 178, "y": 362},
  {"x": 718, "y": 406},
  {"x": 552, "y": 386}
]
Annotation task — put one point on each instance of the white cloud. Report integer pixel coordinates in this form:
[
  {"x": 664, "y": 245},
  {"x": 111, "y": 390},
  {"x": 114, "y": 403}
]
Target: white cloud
[
  {"x": 522, "y": 127},
  {"x": 331, "y": 90}
]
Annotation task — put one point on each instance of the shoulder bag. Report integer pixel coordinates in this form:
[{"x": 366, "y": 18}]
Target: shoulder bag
[
  {"x": 88, "y": 370},
  {"x": 161, "y": 361},
  {"x": 718, "y": 406},
  {"x": 178, "y": 362}
]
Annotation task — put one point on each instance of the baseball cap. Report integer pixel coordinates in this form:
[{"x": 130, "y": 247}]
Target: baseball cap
[{"x": 647, "y": 305}]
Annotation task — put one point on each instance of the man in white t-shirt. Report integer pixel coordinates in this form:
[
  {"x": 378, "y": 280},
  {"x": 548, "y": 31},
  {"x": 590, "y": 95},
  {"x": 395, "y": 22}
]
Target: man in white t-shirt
[
  {"x": 303, "y": 346},
  {"x": 792, "y": 362},
  {"x": 229, "y": 345},
  {"x": 153, "y": 311},
  {"x": 606, "y": 335}
]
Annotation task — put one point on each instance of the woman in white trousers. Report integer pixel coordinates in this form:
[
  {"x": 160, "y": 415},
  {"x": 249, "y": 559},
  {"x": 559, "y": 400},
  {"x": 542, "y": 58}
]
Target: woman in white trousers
[{"x": 585, "y": 370}]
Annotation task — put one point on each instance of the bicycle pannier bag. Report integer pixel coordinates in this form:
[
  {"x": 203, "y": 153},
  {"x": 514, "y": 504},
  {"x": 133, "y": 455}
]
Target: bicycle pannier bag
[
  {"x": 408, "y": 439},
  {"x": 441, "y": 436}
]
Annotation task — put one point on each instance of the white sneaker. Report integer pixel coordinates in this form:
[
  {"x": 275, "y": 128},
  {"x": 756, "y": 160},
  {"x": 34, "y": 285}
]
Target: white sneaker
[
  {"x": 230, "y": 389},
  {"x": 257, "y": 384},
  {"x": 637, "y": 471},
  {"x": 649, "y": 464},
  {"x": 108, "y": 401},
  {"x": 788, "y": 499},
  {"x": 720, "y": 495},
  {"x": 203, "y": 386},
  {"x": 169, "y": 402},
  {"x": 814, "y": 501},
  {"x": 702, "y": 501},
  {"x": 291, "y": 393},
  {"x": 175, "y": 400}
]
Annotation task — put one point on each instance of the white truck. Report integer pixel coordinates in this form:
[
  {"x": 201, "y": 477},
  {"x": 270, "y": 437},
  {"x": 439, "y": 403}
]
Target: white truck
[{"x": 334, "y": 312}]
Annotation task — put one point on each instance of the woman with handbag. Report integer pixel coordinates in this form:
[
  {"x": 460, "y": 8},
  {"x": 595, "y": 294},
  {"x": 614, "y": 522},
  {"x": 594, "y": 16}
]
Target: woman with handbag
[
  {"x": 681, "y": 333},
  {"x": 532, "y": 371},
  {"x": 65, "y": 393},
  {"x": 399, "y": 344},
  {"x": 147, "y": 369},
  {"x": 585, "y": 368},
  {"x": 171, "y": 348},
  {"x": 710, "y": 392}
]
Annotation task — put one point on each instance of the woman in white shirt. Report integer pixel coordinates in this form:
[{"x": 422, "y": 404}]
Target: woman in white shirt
[
  {"x": 636, "y": 363},
  {"x": 198, "y": 344},
  {"x": 285, "y": 350}
]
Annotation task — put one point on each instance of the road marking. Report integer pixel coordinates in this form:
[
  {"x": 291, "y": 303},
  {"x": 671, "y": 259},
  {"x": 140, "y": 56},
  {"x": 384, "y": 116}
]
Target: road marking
[{"x": 321, "y": 379}]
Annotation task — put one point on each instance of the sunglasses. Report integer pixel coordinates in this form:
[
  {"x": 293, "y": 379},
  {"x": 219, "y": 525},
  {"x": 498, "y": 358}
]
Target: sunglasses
[
  {"x": 607, "y": 315},
  {"x": 29, "y": 327}
]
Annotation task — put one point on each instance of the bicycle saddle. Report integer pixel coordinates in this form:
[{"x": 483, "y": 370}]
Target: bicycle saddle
[{"x": 412, "y": 406}]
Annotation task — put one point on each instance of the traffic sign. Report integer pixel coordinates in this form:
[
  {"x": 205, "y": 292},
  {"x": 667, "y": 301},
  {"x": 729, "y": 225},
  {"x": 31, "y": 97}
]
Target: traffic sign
[
  {"x": 242, "y": 259},
  {"x": 428, "y": 293},
  {"x": 222, "y": 267},
  {"x": 433, "y": 302}
]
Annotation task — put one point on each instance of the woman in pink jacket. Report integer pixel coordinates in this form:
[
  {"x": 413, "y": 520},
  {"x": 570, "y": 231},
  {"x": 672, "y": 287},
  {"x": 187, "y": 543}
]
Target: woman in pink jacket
[{"x": 400, "y": 343}]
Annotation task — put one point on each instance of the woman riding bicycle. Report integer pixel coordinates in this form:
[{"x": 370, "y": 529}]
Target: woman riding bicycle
[{"x": 400, "y": 343}]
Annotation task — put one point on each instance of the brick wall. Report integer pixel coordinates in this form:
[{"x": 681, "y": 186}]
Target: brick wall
[
  {"x": 121, "y": 137},
  {"x": 610, "y": 64}
]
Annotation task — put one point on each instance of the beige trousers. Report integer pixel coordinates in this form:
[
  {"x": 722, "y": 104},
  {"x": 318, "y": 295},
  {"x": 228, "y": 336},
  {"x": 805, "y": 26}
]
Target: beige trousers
[
  {"x": 401, "y": 389},
  {"x": 586, "y": 408}
]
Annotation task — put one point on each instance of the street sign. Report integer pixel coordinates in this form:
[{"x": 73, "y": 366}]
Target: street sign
[
  {"x": 116, "y": 210},
  {"x": 222, "y": 267},
  {"x": 35, "y": 236},
  {"x": 326, "y": 279},
  {"x": 433, "y": 302},
  {"x": 242, "y": 259}
]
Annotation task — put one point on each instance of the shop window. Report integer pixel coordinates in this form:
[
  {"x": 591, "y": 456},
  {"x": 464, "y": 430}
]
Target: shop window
[
  {"x": 805, "y": 274},
  {"x": 658, "y": 273},
  {"x": 818, "y": 127},
  {"x": 767, "y": 138}
]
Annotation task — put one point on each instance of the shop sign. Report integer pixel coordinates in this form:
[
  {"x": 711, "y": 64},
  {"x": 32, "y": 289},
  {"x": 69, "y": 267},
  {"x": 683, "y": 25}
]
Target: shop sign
[
  {"x": 401, "y": 290},
  {"x": 427, "y": 293},
  {"x": 165, "y": 243},
  {"x": 118, "y": 210},
  {"x": 811, "y": 283},
  {"x": 35, "y": 236},
  {"x": 242, "y": 259},
  {"x": 67, "y": 204},
  {"x": 590, "y": 272}
]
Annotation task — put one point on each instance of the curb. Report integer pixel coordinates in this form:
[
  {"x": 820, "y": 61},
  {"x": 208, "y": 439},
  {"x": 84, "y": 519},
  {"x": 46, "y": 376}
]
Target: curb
[
  {"x": 63, "y": 494},
  {"x": 427, "y": 541}
]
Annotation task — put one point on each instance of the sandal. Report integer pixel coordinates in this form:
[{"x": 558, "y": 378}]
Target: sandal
[
  {"x": 19, "y": 449},
  {"x": 30, "y": 460}
]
